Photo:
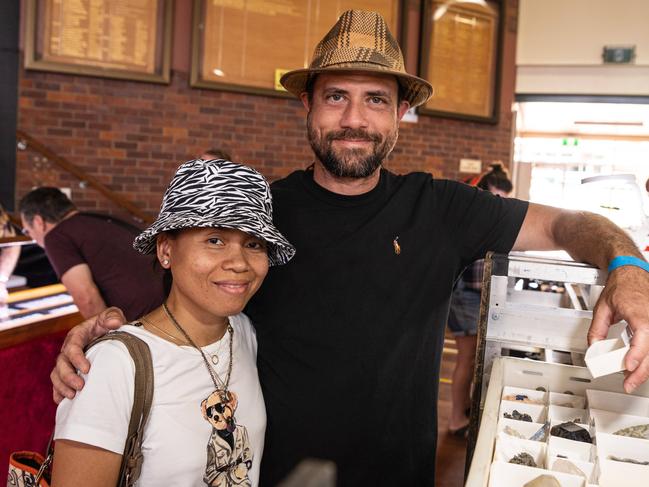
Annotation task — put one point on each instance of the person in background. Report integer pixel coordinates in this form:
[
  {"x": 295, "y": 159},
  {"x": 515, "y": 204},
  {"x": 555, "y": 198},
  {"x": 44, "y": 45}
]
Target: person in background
[
  {"x": 8, "y": 255},
  {"x": 464, "y": 313},
  {"x": 92, "y": 255},
  {"x": 215, "y": 153}
]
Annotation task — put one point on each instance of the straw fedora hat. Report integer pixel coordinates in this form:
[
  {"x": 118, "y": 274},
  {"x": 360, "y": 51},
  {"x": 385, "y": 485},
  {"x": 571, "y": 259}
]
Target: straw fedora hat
[{"x": 360, "y": 41}]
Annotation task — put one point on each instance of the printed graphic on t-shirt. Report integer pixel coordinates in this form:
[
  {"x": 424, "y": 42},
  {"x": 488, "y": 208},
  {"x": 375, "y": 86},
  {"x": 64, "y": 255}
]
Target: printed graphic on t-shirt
[{"x": 229, "y": 455}]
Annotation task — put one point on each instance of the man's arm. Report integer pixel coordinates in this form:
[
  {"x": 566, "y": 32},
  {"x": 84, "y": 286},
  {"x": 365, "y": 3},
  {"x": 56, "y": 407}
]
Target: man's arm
[
  {"x": 65, "y": 380},
  {"x": 596, "y": 240},
  {"x": 8, "y": 258},
  {"x": 79, "y": 283}
]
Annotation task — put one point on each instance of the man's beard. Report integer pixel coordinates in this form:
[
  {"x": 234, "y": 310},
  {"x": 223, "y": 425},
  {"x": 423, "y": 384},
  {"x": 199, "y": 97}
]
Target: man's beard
[{"x": 351, "y": 163}]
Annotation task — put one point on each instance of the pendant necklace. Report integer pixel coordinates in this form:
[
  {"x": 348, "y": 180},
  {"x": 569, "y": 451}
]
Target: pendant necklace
[
  {"x": 218, "y": 383},
  {"x": 175, "y": 339}
]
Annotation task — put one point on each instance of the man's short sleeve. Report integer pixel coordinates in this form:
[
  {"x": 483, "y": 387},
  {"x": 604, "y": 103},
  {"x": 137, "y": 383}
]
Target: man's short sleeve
[
  {"x": 62, "y": 251},
  {"x": 478, "y": 220},
  {"x": 100, "y": 413}
]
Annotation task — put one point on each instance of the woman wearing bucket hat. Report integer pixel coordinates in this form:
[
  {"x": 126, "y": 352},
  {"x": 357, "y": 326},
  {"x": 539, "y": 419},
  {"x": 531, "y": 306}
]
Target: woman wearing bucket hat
[{"x": 215, "y": 238}]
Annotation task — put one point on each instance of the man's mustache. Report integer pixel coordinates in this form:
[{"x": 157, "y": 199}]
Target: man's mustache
[{"x": 354, "y": 134}]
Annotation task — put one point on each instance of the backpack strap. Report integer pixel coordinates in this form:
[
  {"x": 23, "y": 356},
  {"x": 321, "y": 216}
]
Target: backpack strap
[{"x": 142, "y": 399}]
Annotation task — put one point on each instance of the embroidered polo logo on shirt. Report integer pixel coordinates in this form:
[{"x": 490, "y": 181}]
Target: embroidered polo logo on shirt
[{"x": 395, "y": 244}]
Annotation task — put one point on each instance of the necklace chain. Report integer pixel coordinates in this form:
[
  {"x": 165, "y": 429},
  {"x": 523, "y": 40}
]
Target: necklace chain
[
  {"x": 215, "y": 377},
  {"x": 174, "y": 338}
]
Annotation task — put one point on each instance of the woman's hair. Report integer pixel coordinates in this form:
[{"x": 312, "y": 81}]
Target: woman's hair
[{"x": 496, "y": 177}]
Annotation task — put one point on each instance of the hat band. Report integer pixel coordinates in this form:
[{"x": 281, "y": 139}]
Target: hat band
[{"x": 356, "y": 55}]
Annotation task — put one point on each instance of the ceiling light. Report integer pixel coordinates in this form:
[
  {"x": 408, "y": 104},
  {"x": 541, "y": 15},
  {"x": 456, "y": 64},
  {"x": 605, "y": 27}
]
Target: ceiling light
[
  {"x": 441, "y": 10},
  {"x": 623, "y": 124}
]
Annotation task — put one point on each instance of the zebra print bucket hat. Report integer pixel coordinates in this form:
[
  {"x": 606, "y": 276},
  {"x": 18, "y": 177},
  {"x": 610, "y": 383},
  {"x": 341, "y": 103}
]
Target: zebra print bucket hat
[
  {"x": 218, "y": 193},
  {"x": 360, "y": 41}
]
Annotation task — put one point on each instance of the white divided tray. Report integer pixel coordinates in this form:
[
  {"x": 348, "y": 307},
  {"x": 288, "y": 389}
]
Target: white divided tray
[
  {"x": 614, "y": 473},
  {"x": 560, "y": 414},
  {"x": 523, "y": 428},
  {"x": 609, "y": 422},
  {"x": 567, "y": 400},
  {"x": 618, "y": 402},
  {"x": 507, "y": 474},
  {"x": 570, "y": 394}
]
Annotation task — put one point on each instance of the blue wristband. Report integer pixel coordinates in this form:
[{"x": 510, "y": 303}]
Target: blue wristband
[{"x": 621, "y": 260}]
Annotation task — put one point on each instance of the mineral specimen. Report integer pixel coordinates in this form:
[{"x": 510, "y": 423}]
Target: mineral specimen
[
  {"x": 512, "y": 432},
  {"x": 638, "y": 431},
  {"x": 627, "y": 460},
  {"x": 565, "y": 466},
  {"x": 541, "y": 433},
  {"x": 571, "y": 431},
  {"x": 518, "y": 416},
  {"x": 522, "y": 398},
  {"x": 543, "y": 481},
  {"x": 524, "y": 458}
]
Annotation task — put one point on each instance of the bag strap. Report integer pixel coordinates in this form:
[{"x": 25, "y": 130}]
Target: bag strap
[{"x": 142, "y": 399}]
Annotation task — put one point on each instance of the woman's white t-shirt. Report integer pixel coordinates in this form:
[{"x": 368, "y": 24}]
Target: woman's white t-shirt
[{"x": 178, "y": 440}]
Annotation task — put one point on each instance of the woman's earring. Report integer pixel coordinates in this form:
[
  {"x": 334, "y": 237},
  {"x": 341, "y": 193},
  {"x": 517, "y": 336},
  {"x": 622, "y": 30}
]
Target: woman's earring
[{"x": 165, "y": 262}]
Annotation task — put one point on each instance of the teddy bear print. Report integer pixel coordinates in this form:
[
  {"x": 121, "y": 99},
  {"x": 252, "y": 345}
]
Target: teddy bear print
[{"x": 229, "y": 455}]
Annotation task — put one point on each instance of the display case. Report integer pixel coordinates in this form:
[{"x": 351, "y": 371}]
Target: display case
[{"x": 533, "y": 418}]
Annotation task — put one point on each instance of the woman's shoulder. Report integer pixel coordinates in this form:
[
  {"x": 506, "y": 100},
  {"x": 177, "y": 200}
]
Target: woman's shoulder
[
  {"x": 243, "y": 326},
  {"x": 116, "y": 352}
]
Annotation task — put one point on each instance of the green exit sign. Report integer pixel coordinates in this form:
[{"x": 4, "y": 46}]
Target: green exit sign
[{"x": 618, "y": 54}]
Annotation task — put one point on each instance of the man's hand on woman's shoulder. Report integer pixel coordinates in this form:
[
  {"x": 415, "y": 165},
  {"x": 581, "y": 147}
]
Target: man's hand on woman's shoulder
[{"x": 65, "y": 380}]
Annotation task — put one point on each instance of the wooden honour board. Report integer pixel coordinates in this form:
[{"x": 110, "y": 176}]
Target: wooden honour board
[
  {"x": 461, "y": 60},
  {"x": 247, "y": 42},
  {"x": 113, "y": 38}
]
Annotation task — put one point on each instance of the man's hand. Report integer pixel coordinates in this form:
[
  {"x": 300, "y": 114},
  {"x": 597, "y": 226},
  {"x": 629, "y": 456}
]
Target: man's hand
[
  {"x": 626, "y": 297},
  {"x": 65, "y": 380}
]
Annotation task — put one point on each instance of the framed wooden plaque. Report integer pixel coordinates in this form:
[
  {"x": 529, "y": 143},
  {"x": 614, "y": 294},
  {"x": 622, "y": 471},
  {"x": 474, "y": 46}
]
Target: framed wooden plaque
[
  {"x": 126, "y": 39},
  {"x": 246, "y": 46},
  {"x": 460, "y": 57}
]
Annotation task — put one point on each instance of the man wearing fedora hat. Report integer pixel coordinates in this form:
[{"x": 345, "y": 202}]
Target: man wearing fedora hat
[{"x": 350, "y": 332}]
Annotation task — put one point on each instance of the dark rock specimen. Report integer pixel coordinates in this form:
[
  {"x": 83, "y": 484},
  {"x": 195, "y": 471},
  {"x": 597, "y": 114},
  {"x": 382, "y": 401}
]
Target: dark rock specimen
[
  {"x": 571, "y": 431},
  {"x": 518, "y": 416}
]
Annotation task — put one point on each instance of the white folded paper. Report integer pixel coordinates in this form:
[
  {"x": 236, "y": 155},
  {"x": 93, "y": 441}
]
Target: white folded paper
[{"x": 607, "y": 356}]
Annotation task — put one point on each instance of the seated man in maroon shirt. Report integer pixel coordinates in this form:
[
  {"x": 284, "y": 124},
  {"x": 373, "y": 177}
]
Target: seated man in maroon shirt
[{"x": 92, "y": 255}]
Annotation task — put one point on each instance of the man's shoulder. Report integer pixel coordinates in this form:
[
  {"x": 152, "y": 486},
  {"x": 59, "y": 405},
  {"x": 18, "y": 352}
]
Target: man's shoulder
[
  {"x": 289, "y": 190},
  {"x": 290, "y": 181},
  {"x": 417, "y": 181},
  {"x": 69, "y": 225},
  {"x": 68, "y": 230}
]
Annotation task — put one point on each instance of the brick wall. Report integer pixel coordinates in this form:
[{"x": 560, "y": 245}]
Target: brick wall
[{"x": 132, "y": 135}]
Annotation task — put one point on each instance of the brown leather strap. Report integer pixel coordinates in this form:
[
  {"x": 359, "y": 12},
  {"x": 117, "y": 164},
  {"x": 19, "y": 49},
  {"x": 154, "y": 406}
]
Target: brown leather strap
[{"x": 141, "y": 355}]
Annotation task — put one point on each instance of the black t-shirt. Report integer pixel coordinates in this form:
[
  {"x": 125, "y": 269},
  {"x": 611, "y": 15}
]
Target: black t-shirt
[
  {"x": 351, "y": 330},
  {"x": 125, "y": 278}
]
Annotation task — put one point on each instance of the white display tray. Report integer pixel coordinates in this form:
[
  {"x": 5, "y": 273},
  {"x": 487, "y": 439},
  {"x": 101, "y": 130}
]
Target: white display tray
[{"x": 528, "y": 374}]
